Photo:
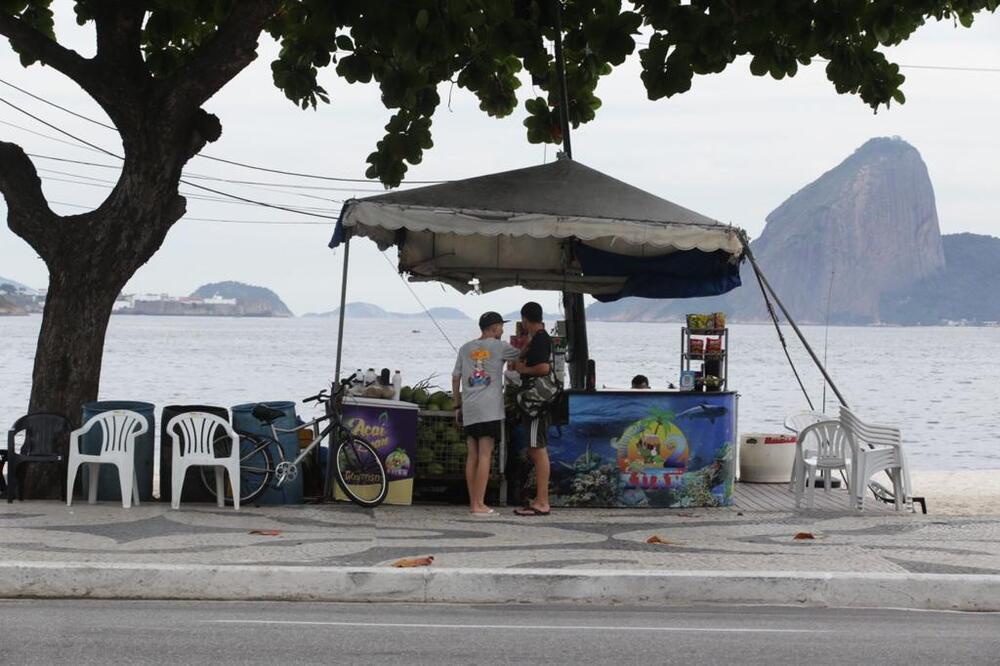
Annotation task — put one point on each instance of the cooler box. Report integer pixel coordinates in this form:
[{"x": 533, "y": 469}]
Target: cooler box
[
  {"x": 766, "y": 457},
  {"x": 391, "y": 427}
]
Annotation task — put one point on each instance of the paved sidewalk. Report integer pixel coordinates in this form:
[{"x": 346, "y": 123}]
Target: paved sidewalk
[{"x": 602, "y": 545}]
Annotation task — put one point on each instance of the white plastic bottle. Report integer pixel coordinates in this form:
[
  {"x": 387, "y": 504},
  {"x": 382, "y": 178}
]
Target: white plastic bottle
[
  {"x": 397, "y": 384},
  {"x": 370, "y": 377}
]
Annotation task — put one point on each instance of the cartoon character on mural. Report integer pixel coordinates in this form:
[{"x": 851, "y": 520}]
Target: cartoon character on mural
[
  {"x": 479, "y": 376},
  {"x": 652, "y": 451}
]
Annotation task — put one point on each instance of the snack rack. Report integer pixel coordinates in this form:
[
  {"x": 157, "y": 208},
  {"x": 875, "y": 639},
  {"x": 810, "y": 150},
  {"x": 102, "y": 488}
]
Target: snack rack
[{"x": 709, "y": 358}]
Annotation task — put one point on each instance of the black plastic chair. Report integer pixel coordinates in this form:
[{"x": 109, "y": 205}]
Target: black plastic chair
[{"x": 44, "y": 434}]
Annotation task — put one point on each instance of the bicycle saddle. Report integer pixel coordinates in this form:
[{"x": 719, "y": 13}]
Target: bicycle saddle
[{"x": 265, "y": 414}]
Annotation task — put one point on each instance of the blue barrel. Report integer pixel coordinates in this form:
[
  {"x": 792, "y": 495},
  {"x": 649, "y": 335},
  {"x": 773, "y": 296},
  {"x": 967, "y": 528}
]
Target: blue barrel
[
  {"x": 243, "y": 419},
  {"x": 108, "y": 488}
]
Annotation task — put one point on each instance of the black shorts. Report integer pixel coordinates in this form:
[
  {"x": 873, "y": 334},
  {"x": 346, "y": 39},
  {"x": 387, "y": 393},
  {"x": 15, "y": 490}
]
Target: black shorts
[
  {"x": 484, "y": 429},
  {"x": 536, "y": 430}
]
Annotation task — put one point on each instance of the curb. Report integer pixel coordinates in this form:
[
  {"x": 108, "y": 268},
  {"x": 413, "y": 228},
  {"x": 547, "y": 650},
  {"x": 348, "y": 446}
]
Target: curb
[{"x": 960, "y": 592}]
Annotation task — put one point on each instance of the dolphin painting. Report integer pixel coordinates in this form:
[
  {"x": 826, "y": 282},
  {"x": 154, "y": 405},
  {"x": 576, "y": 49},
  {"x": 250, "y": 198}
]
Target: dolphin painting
[{"x": 704, "y": 411}]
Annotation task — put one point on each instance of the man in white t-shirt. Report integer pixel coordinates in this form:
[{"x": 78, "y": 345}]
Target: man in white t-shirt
[{"x": 477, "y": 384}]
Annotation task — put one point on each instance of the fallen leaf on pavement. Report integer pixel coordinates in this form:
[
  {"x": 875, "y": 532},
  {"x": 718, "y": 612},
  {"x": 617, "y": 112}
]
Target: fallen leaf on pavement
[
  {"x": 408, "y": 562},
  {"x": 266, "y": 532},
  {"x": 803, "y": 536},
  {"x": 656, "y": 539}
]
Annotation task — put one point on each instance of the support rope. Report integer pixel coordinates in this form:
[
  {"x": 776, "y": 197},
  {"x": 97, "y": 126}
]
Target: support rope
[
  {"x": 781, "y": 336},
  {"x": 420, "y": 302}
]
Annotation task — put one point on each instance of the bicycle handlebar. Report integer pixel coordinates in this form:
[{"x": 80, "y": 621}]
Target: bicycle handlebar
[{"x": 323, "y": 396}]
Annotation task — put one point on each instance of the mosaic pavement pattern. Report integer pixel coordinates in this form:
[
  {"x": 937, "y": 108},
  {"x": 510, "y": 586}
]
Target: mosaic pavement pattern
[{"x": 341, "y": 535}]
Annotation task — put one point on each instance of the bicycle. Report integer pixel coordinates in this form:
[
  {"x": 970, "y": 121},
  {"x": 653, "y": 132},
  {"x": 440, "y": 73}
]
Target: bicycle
[{"x": 357, "y": 467}]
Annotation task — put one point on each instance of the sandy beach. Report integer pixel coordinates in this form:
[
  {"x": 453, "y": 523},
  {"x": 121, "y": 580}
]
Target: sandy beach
[{"x": 960, "y": 492}]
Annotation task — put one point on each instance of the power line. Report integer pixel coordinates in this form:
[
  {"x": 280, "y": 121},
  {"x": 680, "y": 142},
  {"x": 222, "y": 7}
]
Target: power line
[
  {"x": 108, "y": 185},
  {"x": 211, "y": 157},
  {"x": 276, "y": 223},
  {"x": 61, "y": 108},
  {"x": 186, "y": 182},
  {"x": 232, "y": 181}
]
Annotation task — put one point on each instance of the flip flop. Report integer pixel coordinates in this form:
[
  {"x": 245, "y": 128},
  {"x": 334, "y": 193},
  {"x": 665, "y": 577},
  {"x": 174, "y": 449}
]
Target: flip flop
[
  {"x": 530, "y": 511},
  {"x": 481, "y": 514}
]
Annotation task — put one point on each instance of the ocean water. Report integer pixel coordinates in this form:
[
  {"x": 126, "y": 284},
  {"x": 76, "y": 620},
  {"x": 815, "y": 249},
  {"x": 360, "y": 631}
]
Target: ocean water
[{"x": 940, "y": 385}]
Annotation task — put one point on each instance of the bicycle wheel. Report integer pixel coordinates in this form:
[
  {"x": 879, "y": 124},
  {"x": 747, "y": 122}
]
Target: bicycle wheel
[
  {"x": 256, "y": 469},
  {"x": 360, "y": 473}
]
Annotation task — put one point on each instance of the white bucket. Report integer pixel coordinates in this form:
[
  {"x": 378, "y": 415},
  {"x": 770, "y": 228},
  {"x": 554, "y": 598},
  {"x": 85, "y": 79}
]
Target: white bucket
[{"x": 766, "y": 457}]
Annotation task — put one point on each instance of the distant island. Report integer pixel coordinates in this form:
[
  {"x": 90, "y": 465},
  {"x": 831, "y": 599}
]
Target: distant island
[
  {"x": 218, "y": 299},
  {"x": 19, "y": 299},
  {"x": 359, "y": 310}
]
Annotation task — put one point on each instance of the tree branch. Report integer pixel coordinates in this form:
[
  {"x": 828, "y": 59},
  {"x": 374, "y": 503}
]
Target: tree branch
[
  {"x": 32, "y": 42},
  {"x": 119, "y": 35},
  {"x": 220, "y": 58},
  {"x": 28, "y": 213}
]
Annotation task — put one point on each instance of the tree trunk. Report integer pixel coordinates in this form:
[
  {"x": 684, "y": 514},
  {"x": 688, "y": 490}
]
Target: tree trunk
[{"x": 67, "y": 369}]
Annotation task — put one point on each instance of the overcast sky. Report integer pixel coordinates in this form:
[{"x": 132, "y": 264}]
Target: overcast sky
[{"x": 733, "y": 148}]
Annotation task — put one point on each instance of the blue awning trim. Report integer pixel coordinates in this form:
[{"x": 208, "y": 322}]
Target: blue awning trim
[
  {"x": 681, "y": 274},
  {"x": 339, "y": 234}
]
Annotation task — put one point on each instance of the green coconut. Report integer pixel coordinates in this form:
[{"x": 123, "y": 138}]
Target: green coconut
[
  {"x": 420, "y": 396},
  {"x": 406, "y": 394}
]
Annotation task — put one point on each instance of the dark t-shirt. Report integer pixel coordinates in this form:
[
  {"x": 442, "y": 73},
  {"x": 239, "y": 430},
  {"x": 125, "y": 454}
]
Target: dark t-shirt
[{"x": 539, "y": 350}]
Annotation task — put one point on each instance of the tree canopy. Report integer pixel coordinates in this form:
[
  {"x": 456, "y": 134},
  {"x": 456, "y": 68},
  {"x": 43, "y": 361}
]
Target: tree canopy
[{"x": 409, "y": 48}]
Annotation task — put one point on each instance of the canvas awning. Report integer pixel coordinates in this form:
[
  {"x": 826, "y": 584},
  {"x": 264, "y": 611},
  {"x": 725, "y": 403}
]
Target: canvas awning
[{"x": 559, "y": 226}]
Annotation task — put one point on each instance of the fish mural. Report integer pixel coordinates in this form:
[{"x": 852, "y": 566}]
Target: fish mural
[{"x": 623, "y": 450}]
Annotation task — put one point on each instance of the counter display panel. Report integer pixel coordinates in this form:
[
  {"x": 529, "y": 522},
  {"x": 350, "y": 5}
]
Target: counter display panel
[{"x": 639, "y": 449}]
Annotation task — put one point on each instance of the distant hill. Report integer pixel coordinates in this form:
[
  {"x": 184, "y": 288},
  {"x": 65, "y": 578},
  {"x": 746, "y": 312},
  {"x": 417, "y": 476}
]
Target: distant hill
[
  {"x": 359, "y": 310},
  {"x": 549, "y": 317},
  {"x": 18, "y": 299},
  {"x": 967, "y": 289},
  {"x": 870, "y": 225},
  {"x": 252, "y": 301},
  {"x": 17, "y": 286}
]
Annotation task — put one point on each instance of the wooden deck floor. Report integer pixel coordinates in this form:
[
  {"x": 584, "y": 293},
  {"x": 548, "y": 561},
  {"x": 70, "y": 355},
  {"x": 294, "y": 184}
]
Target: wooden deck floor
[{"x": 778, "y": 497}]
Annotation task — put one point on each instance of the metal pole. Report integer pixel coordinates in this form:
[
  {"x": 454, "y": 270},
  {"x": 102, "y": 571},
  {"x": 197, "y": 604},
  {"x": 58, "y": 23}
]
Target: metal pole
[
  {"x": 343, "y": 302},
  {"x": 328, "y": 475},
  {"x": 576, "y": 316},
  {"x": 802, "y": 338},
  {"x": 561, "y": 75}
]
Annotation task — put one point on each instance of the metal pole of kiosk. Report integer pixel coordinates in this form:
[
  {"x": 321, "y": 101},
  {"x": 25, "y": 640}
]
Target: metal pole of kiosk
[
  {"x": 328, "y": 475},
  {"x": 576, "y": 316}
]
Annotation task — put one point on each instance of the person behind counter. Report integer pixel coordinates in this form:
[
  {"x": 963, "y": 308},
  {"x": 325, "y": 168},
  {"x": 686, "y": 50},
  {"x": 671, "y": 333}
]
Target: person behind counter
[
  {"x": 477, "y": 384},
  {"x": 536, "y": 361},
  {"x": 640, "y": 382}
]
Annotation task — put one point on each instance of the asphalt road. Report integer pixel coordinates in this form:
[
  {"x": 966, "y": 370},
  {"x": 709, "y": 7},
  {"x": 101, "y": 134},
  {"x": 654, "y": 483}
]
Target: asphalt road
[{"x": 141, "y": 632}]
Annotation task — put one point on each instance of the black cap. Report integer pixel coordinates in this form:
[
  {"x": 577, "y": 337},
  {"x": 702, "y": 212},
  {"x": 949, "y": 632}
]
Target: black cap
[
  {"x": 490, "y": 318},
  {"x": 532, "y": 311}
]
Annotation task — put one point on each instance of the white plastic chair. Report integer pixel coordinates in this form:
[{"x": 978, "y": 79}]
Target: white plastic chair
[
  {"x": 825, "y": 447},
  {"x": 877, "y": 448},
  {"x": 195, "y": 435},
  {"x": 796, "y": 423},
  {"x": 119, "y": 430}
]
